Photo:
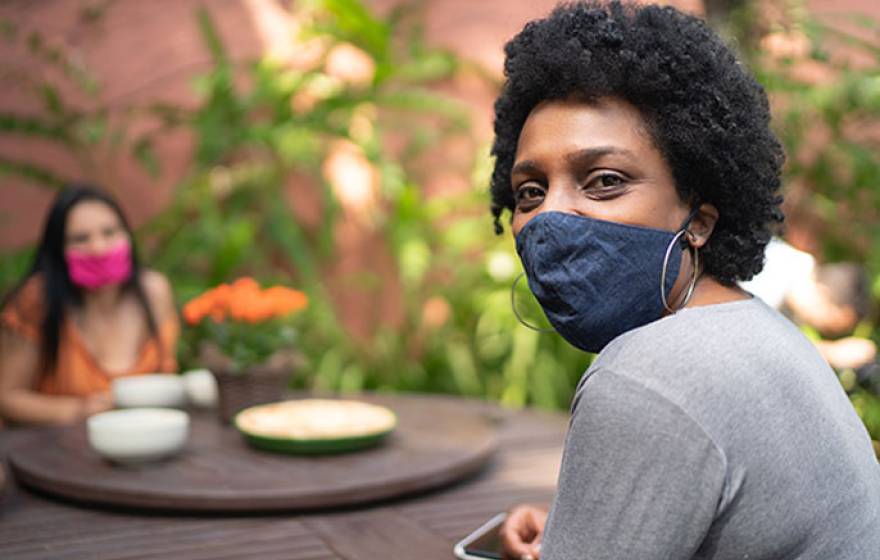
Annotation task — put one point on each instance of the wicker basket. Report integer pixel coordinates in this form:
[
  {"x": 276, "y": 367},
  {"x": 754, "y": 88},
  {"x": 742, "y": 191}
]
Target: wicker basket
[{"x": 240, "y": 390}]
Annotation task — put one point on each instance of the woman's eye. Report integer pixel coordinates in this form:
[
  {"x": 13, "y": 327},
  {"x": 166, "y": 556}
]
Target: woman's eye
[
  {"x": 77, "y": 239},
  {"x": 528, "y": 194},
  {"x": 605, "y": 181}
]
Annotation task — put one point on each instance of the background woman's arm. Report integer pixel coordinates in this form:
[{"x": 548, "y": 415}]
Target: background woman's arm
[
  {"x": 161, "y": 300},
  {"x": 20, "y": 402}
]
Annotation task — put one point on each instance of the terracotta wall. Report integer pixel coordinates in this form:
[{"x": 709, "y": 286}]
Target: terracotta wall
[
  {"x": 140, "y": 52},
  {"x": 150, "y": 51}
]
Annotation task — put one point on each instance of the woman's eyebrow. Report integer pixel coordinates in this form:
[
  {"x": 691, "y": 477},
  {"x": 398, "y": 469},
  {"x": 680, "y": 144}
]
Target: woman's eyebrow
[
  {"x": 578, "y": 157},
  {"x": 590, "y": 154},
  {"x": 526, "y": 166}
]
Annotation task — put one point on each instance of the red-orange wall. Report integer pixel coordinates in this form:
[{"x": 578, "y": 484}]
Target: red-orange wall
[
  {"x": 144, "y": 52},
  {"x": 150, "y": 51}
]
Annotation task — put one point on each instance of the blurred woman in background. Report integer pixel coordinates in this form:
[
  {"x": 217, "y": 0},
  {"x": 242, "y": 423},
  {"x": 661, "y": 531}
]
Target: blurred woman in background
[{"x": 85, "y": 313}]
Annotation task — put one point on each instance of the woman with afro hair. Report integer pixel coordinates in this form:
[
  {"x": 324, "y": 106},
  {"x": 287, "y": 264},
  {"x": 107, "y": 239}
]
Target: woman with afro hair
[{"x": 635, "y": 156}]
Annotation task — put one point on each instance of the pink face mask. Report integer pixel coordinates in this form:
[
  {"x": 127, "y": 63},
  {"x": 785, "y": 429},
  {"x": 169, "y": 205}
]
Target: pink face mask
[{"x": 95, "y": 271}]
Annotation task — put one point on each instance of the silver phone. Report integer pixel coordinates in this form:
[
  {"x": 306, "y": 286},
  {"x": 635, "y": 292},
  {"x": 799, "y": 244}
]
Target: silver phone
[{"x": 483, "y": 543}]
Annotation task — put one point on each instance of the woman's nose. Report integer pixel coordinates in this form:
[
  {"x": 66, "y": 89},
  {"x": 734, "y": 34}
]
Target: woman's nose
[
  {"x": 99, "y": 244},
  {"x": 559, "y": 199}
]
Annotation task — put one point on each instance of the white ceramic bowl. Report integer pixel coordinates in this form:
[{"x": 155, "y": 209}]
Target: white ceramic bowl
[
  {"x": 156, "y": 389},
  {"x": 138, "y": 435},
  {"x": 201, "y": 387}
]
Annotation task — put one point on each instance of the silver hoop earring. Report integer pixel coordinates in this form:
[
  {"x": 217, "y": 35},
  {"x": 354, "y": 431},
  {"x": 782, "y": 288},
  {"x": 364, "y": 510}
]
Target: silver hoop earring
[
  {"x": 693, "y": 282},
  {"x": 515, "y": 312}
]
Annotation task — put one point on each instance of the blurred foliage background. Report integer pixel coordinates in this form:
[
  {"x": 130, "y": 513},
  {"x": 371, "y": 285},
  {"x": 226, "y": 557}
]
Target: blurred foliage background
[{"x": 288, "y": 161}]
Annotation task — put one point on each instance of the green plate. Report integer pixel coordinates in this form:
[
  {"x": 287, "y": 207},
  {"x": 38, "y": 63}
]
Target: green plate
[{"x": 317, "y": 446}]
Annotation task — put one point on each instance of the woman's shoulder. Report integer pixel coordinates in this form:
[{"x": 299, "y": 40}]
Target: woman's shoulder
[
  {"x": 155, "y": 283},
  {"x": 24, "y": 308},
  {"x": 158, "y": 290},
  {"x": 738, "y": 349},
  {"x": 699, "y": 329},
  {"x": 703, "y": 346},
  {"x": 28, "y": 296}
]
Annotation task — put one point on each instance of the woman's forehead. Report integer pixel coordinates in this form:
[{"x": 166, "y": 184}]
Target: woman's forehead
[
  {"x": 91, "y": 214},
  {"x": 569, "y": 125}
]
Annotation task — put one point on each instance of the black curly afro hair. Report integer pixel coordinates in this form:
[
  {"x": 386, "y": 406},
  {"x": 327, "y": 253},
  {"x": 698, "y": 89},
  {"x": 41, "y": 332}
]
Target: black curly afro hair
[{"x": 708, "y": 117}]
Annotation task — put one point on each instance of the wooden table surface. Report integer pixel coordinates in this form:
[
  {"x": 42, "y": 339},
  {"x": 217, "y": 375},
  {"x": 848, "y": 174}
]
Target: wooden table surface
[
  {"x": 436, "y": 441},
  {"x": 421, "y": 527}
]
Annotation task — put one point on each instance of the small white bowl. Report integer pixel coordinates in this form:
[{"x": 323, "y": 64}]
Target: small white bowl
[
  {"x": 138, "y": 435},
  {"x": 201, "y": 387},
  {"x": 155, "y": 389}
]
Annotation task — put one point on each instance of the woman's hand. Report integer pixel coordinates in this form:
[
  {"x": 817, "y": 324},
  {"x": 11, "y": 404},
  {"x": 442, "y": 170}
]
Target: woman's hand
[
  {"x": 849, "y": 352},
  {"x": 522, "y": 531},
  {"x": 96, "y": 403}
]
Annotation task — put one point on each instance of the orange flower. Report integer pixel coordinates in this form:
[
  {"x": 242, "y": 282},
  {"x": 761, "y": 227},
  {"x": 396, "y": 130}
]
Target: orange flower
[
  {"x": 284, "y": 300},
  {"x": 198, "y": 308},
  {"x": 217, "y": 315},
  {"x": 245, "y": 285},
  {"x": 244, "y": 301},
  {"x": 192, "y": 312}
]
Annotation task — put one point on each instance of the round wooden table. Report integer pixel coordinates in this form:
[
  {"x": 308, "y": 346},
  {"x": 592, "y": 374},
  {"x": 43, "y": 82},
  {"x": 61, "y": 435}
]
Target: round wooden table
[{"x": 436, "y": 441}]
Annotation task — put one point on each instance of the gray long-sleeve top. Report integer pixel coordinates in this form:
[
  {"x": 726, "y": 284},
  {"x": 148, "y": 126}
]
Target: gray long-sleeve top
[{"x": 715, "y": 433}]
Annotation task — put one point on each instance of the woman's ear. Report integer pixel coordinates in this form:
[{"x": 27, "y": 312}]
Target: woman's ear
[{"x": 702, "y": 225}]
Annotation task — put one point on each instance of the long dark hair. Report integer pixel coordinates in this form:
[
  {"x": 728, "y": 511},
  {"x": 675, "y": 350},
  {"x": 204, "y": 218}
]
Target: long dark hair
[{"x": 59, "y": 293}]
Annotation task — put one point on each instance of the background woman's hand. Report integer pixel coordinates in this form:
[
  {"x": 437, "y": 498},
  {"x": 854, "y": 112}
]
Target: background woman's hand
[
  {"x": 96, "y": 403},
  {"x": 849, "y": 352},
  {"x": 522, "y": 531}
]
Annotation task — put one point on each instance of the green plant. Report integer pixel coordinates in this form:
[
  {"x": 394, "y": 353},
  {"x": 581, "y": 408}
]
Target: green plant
[
  {"x": 13, "y": 267},
  {"x": 454, "y": 331},
  {"x": 242, "y": 325}
]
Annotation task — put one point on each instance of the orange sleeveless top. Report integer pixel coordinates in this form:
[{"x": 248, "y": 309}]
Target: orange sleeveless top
[{"x": 77, "y": 373}]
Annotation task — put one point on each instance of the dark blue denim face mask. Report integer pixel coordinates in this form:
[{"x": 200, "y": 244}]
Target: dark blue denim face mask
[{"x": 595, "y": 279}]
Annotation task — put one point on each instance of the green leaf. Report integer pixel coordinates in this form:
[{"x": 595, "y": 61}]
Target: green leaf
[
  {"x": 13, "y": 267},
  {"x": 211, "y": 37},
  {"x": 91, "y": 130},
  {"x": 51, "y": 100},
  {"x": 286, "y": 233},
  {"x": 430, "y": 66},
  {"x": 33, "y": 126},
  {"x": 463, "y": 368},
  {"x": 94, "y": 12},
  {"x": 34, "y": 173},
  {"x": 427, "y": 102},
  {"x": 145, "y": 154},
  {"x": 415, "y": 259},
  {"x": 237, "y": 239},
  {"x": 352, "y": 21},
  {"x": 8, "y": 29},
  {"x": 297, "y": 145}
]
